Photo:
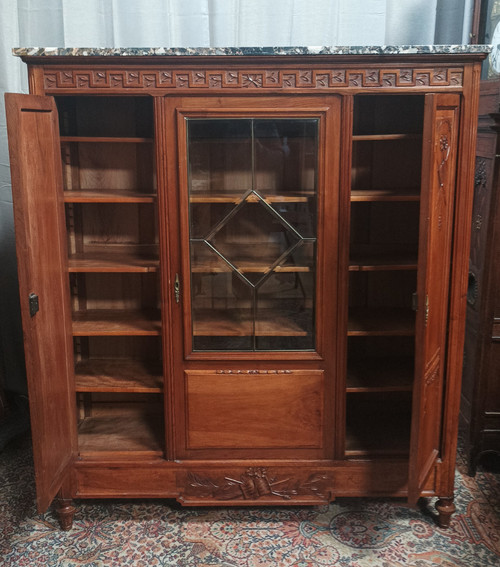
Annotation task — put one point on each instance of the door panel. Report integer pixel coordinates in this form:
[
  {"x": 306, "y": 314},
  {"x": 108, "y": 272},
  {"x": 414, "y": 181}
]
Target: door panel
[
  {"x": 41, "y": 254},
  {"x": 254, "y": 410},
  {"x": 436, "y": 224},
  {"x": 258, "y": 190},
  {"x": 253, "y": 204}
]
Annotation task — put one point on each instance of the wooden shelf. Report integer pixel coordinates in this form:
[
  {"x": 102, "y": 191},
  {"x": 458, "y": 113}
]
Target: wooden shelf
[
  {"x": 112, "y": 262},
  {"x": 106, "y": 139},
  {"x": 115, "y": 436},
  {"x": 232, "y": 324},
  {"x": 376, "y": 439},
  {"x": 381, "y": 261},
  {"x": 381, "y": 195},
  {"x": 119, "y": 375},
  {"x": 380, "y": 322},
  {"x": 116, "y": 323},
  {"x": 378, "y": 425},
  {"x": 235, "y": 198},
  {"x": 107, "y": 196},
  {"x": 245, "y": 266},
  {"x": 380, "y": 374},
  {"x": 384, "y": 137}
]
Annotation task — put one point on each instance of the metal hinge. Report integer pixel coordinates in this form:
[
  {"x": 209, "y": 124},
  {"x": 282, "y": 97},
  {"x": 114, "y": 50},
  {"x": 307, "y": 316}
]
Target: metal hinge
[
  {"x": 33, "y": 303},
  {"x": 426, "y": 309}
]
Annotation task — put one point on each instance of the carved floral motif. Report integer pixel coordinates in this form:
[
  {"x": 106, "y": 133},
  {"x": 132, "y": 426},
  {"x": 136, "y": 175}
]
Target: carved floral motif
[
  {"x": 255, "y": 483},
  {"x": 445, "y": 148},
  {"x": 266, "y": 79},
  {"x": 433, "y": 368},
  {"x": 444, "y": 145}
]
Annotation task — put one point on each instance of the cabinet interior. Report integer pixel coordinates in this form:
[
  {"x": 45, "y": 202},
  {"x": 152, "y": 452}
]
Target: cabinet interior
[
  {"x": 383, "y": 265},
  {"x": 109, "y": 181},
  {"x": 252, "y": 200}
]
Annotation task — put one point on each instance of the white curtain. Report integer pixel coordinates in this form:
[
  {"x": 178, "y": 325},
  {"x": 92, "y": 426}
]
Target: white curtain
[{"x": 189, "y": 23}]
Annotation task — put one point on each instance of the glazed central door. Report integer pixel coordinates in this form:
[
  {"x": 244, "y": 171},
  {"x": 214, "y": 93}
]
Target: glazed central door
[
  {"x": 252, "y": 188},
  {"x": 257, "y": 307}
]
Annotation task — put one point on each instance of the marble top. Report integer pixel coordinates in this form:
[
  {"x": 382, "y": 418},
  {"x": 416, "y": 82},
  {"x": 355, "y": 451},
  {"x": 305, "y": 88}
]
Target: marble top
[{"x": 210, "y": 51}]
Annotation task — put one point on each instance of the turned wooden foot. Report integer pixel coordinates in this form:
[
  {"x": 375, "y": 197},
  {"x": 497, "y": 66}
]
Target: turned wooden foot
[
  {"x": 445, "y": 508},
  {"x": 65, "y": 512}
]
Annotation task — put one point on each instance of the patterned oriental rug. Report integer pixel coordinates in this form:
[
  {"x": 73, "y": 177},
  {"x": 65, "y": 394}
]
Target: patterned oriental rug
[{"x": 348, "y": 533}]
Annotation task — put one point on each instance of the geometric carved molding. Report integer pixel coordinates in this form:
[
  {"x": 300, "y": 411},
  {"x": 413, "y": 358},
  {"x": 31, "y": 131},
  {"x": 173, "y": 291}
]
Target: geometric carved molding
[{"x": 257, "y": 78}]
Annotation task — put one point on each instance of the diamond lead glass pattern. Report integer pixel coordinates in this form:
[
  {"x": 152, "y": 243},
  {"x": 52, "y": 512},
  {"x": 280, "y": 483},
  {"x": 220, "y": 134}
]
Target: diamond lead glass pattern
[{"x": 252, "y": 195}]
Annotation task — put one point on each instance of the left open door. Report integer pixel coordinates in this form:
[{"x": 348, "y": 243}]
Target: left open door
[{"x": 37, "y": 187}]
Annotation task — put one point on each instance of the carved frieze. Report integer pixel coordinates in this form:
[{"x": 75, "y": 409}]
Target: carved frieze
[
  {"x": 257, "y": 483},
  {"x": 262, "y": 79}
]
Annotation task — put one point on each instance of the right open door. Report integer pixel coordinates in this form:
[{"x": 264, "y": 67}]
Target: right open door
[{"x": 439, "y": 154}]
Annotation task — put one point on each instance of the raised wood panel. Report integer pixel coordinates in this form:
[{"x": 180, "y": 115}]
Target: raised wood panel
[{"x": 254, "y": 410}]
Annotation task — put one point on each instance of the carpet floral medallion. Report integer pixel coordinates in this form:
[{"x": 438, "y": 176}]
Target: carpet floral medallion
[{"x": 348, "y": 533}]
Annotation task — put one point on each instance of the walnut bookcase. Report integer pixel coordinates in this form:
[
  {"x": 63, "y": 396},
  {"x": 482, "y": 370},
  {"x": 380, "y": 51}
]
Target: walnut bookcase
[{"x": 235, "y": 273}]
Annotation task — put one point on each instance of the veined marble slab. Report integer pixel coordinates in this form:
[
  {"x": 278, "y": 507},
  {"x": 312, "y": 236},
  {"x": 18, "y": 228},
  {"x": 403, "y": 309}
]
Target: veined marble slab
[{"x": 208, "y": 51}]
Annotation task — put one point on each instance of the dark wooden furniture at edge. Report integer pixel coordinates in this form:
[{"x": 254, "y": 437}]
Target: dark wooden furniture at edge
[
  {"x": 235, "y": 274},
  {"x": 480, "y": 408}
]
